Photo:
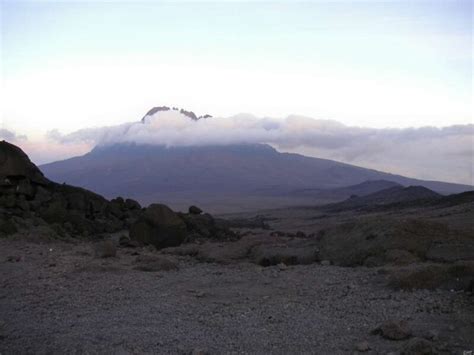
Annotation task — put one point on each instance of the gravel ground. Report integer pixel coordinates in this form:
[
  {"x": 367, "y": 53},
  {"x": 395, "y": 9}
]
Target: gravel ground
[{"x": 55, "y": 297}]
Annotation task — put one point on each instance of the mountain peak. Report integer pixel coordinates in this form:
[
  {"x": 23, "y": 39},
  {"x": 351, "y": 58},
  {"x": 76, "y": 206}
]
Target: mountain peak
[{"x": 189, "y": 114}]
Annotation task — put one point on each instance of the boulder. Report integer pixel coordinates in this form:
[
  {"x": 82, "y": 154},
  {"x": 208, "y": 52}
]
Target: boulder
[
  {"x": 194, "y": 210},
  {"x": 15, "y": 165},
  {"x": 132, "y": 204},
  {"x": 158, "y": 225},
  {"x": 205, "y": 226}
]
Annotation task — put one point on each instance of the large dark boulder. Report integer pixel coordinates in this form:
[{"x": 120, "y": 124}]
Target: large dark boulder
[
  {"x": 158, "y": 225},
  {"x": 15, "y": 164},
  {"x": 194, "y": 210}
]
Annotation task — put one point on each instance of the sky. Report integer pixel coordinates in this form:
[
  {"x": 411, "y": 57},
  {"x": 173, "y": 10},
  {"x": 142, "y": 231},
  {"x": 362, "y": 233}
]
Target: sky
[{"x": 71, "y": 65}]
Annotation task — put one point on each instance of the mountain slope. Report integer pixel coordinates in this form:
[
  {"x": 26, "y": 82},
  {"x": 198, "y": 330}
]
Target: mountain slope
[{"x": 205, "y": 174}]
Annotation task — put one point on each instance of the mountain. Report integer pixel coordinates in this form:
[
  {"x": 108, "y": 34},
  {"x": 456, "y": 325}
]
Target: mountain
[{"x": 222, "y": 178}]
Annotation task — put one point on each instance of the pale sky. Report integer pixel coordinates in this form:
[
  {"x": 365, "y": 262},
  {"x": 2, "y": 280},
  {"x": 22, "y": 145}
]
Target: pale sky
[
  {"x": 71, "y": 65},
  {"x": 380, "y": 84}
]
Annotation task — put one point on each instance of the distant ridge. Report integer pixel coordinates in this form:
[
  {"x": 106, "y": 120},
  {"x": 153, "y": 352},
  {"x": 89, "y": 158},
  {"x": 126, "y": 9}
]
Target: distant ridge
[{"x": 397, "y": 195}]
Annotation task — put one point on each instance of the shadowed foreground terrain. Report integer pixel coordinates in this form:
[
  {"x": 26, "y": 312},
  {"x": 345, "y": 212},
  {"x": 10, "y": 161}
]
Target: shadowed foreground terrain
[
  {"x": 58, "y": 298},
  {"x": 388, "y": 271}
]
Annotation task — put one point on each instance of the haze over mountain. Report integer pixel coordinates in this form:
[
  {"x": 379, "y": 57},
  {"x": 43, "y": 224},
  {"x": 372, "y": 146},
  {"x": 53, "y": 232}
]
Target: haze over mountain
[{"x": 222, "y": 173}]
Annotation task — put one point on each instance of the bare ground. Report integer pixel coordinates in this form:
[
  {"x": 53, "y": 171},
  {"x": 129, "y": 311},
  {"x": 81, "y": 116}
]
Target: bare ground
[{"x": 55, "y": 297}]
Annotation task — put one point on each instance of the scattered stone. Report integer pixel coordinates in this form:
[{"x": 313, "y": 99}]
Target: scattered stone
[{"x": 14, "y": 259}]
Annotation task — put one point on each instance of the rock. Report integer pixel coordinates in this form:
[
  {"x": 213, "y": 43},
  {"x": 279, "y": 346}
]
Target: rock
[
  {"x": 202, "y": 225},
  {"x": 194, "y": 210},
  {"x": 418, "y": 346},
  {"x": 159, "y": 226},
  {"x": 15, "y": 258},
  {"x": 25, "y": 188},
  {"x": 282, "y": 267},
  {"x": 274, "y": 254},
  {"x": 205, "y": 226},
  {"x": 126, "y": 242},
  {"x": 105, "y": 249},
  {"x": 132, "y": 204},
  {"x": 15, "y": 165},
  {"x": 154, "y": 263},
  {"x": 363, "y": 346},
  {"x": 300, "y": 234},
  {"x": 393, "y": 330}
]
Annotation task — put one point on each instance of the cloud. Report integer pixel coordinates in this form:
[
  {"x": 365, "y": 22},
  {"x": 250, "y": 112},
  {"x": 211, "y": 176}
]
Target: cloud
[
  {"x": 11, "y": 136},
  {"x": 426, "y": 152}
]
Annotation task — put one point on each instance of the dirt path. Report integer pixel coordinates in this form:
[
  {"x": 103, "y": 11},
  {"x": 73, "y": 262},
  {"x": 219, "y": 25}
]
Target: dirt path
[{"x": 57, "y": 298}]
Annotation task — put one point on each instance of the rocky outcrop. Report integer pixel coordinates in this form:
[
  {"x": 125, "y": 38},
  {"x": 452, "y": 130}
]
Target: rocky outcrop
[
  {"x": 28, "y": 198},
  {"x": 17, "y": 171}
]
